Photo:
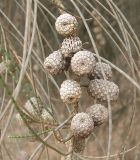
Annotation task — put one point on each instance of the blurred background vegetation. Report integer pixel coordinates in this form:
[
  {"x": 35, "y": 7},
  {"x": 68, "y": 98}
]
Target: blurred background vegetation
[{"x": 28, "y": 35}]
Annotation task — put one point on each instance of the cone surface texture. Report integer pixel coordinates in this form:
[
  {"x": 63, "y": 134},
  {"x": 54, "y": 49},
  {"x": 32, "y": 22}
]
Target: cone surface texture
[
  {"x": 98, "y": 112},
  {"x": 83, "y": 62},
  {"x": 100, "y": 88},
  {"x": 82, "y": 125},
  {"x": 54, "y": 63},
  {"x": 71, "y": 45},
  {"x": 33, "y": 106},
  {"x": 70, "y": 91},
  {"x": 106, "y": 69},
  {"x": 66, "y": 24},
  {"x": 46, "y": 116}
]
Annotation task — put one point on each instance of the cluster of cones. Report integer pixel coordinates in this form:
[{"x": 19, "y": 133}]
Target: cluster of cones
[{"x": 71, "y": 56}]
